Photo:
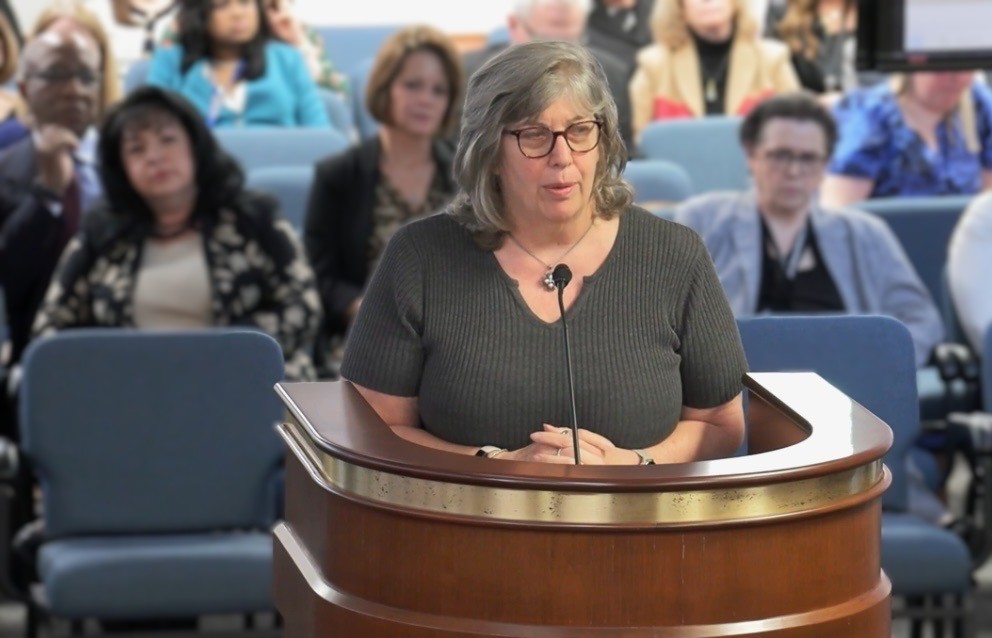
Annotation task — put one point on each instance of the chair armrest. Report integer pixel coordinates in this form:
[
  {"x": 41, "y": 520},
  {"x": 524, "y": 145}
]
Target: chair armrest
[
  {"x": 978, "y": 505},
  {"x": 956, "y": 361}
]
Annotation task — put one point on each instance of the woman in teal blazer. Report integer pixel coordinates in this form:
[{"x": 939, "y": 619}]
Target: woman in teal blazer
[{"x": 228, "y": 64}]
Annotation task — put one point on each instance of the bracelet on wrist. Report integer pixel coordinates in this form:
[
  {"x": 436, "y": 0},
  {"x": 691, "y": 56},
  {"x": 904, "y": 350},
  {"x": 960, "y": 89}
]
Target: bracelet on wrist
[
  {"x": 490, "y": 451},
  {"x": 644, "y": 456}
]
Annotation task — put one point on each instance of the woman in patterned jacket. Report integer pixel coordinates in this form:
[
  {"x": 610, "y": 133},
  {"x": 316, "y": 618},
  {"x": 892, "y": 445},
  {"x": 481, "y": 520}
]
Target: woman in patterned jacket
[{"x": 180, "y": 243}]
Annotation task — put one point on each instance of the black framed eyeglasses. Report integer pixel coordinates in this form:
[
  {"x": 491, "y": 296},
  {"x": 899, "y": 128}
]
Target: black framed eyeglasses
[
  {"x": 86, "y": 77},
  {"x": 538, "y": 141},
  {"x": 783, "y": 160}
]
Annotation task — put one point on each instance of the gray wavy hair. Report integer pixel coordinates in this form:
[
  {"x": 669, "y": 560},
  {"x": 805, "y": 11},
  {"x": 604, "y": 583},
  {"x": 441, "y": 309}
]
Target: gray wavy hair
[{"x": 519, "y": 84}]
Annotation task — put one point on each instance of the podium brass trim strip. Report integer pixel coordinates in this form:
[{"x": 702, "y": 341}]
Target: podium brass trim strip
[
  {"x": 583, "y": 508},
  {"x": 328, "y": 593}
]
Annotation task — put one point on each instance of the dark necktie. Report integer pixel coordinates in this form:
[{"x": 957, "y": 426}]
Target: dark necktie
[{"x": 71, "y": 212}]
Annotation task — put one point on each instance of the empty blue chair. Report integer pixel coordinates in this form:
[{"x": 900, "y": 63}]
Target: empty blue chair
[
  {"x": 923, "y": 226},
  {"x": 871, "y": 359},
  {"x": 136, "y": 75},
  {"x": 499, "y": 35},
  {"x": 156, "y": 456},
  {"x": 707, "y": 148},
  {"x": 657, "y": 182},
  {"x": 339, "y": 113},
  {"x": 364, "y": 122},
  {"x": 290, "y": 185},
  {"x": 348, "y": 46},
  {"x": 264, "y": 147}
]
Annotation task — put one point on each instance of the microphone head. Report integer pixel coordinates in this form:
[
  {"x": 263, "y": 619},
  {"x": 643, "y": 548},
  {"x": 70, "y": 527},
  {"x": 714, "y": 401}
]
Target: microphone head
[{"x": 561, "y": 275}]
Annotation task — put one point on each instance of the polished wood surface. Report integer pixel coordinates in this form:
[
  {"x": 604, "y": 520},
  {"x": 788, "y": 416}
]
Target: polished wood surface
[{"x": 351, "y": 561}]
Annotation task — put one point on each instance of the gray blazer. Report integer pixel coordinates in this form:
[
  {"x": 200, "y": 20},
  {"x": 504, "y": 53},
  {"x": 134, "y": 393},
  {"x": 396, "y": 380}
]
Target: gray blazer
[{"x": 862, "y": 255}]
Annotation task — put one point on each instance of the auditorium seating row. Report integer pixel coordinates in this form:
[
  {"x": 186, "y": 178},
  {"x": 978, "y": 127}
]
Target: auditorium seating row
[{"x": 159, "y": 466}]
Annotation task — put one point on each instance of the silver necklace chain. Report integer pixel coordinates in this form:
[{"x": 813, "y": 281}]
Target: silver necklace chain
[{"x": 548, "y": 280}]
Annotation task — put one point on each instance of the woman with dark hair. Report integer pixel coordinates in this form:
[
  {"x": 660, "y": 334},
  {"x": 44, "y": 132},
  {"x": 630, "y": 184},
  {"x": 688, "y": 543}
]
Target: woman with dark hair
[
  {"x": 821, "y": 36},
  {"x": 180, "y": 243},
  {"x": 230, "y": 66},
  {"x": 361, "y": 197}
]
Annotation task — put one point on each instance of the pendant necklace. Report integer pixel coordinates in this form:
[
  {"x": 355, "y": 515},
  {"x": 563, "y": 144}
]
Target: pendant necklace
[{"x": 548, "y": 280}]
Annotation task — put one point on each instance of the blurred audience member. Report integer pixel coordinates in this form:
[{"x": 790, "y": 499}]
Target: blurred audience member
[
  {"x": 561, "y": 20},
  {"x": 110, "y": 84},
  {"x": 921, "y": 134},
  {"x": 708, "y": 59},
  {"x": 969, "y": 262},
  {"x": 777, "y": 251},
  {"x": 821, "y": 36},
  {"x": 134, "y": 26},
  {"x": 620, "y": 27},
  {"x": 12, "y": 110},
  {"x": 230, "y": 66},
  {"x": 362, "y": 196},
  {"x": 180, "y": 243},
  {"x": 287, "y": 27},
  {"x": 48, "y": 179}
]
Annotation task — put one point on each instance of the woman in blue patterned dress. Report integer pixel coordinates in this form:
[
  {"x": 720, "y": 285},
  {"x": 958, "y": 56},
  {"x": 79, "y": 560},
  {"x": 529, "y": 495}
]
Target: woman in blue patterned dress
[{"x": 921, "y": 134}]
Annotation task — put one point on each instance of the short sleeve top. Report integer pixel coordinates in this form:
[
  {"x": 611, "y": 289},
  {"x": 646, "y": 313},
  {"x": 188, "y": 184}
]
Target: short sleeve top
[
  {"x": 876, "y": 143},
  {"x": 650, "y": 332}
]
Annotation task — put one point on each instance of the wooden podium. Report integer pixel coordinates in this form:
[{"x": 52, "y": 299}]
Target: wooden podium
[{"x": 385, "y": 538}]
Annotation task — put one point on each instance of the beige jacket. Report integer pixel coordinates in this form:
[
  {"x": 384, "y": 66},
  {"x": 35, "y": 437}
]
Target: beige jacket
[{"x": 671, "y": 80}]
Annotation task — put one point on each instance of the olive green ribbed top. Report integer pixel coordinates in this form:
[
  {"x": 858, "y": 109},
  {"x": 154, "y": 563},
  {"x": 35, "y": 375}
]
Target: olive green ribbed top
[{"x": 651, "y": 331}]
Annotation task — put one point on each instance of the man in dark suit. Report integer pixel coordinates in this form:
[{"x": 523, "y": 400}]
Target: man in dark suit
[
  {"x": 621, "y": 27},
  {"x": 47, "y": 179},
  {"x": 562, "y": 20}
]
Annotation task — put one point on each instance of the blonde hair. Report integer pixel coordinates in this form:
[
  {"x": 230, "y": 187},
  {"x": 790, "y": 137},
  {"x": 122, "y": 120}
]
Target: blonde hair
[
  {"x": 88, "y": 21},
  {"x": 516, "y": 85},
  {"x": 11, "y": 49},
  {"x": 901, "y": 84},
  {"x": 669, "y": 27},
  {"x": 390, "y": 58}
]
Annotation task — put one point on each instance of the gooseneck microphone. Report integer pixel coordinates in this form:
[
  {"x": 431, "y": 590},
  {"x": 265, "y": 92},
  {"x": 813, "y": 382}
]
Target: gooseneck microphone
[{"x": 561, "y": 275}]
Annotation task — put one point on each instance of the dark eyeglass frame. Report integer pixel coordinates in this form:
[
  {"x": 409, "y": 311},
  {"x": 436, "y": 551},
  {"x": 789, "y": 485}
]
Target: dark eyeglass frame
[
  {"x": 85, "y": 77},
  {"x": 784, "y": 160},
  {"x": 554, "y": 137}
]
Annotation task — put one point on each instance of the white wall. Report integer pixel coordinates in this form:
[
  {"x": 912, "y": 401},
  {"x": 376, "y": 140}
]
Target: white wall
[{"x": 454, "y": 16}]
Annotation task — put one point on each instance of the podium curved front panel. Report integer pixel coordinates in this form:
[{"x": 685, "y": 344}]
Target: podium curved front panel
[{"x": 385, "y": 538}]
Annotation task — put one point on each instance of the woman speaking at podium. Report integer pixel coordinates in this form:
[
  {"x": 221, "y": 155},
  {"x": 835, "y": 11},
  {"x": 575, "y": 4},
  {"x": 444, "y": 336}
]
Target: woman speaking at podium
[{"x": 458, "y": 344}]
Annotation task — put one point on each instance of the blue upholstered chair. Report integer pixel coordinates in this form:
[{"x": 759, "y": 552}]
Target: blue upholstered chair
[
  {"x": 364, "y": 122},
  {"x": 871, "y": 359},
  {"x": 290, "y": 185},
  {"x": 339, "y": 113},
  {"x": 156, "y": 455},
  {"x": 657, "y": 182},
  {"x": 264, "y": 147},
  {"x": 923, "y": 226},
  {"x": 136, "y": 75},
  {"x": 348, "y": 46},
  {"x": 707, "y": 148}
]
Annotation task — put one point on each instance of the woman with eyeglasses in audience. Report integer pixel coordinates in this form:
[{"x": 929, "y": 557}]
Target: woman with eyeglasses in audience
[
  {"x": 361, "y": 197},
  {"x": 230, "y": 66},
  {"x": 181, "y": 244},
  {"x": 708, "y": 59},
  {"x": 458, "y": 343},
  {"x": 920, "y": 134}
]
